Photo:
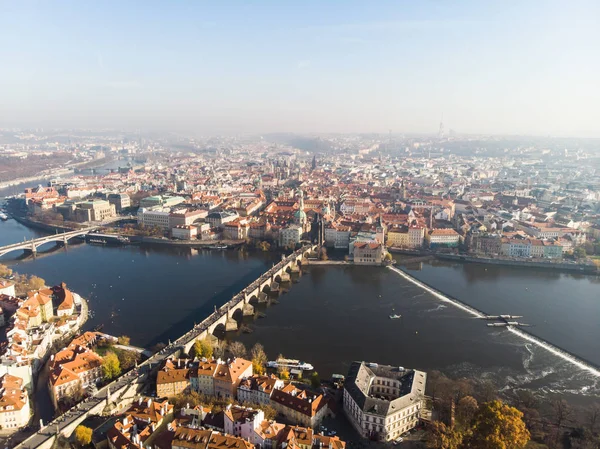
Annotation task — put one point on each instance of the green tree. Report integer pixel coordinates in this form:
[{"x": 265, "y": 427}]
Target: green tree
[
  {"x": 111, "y": 367},
  {"x": 497, "y": 426},
  {"x": 83, "y": 435},
  {"x": 315, "y": 380},
  {"x": 124, "y": 340}
]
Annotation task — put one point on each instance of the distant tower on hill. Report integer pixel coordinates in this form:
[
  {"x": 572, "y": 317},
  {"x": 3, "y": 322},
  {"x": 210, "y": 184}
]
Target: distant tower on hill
[
  {"x": 314, "y": 162},
  {"x": 441, "y": 131}
]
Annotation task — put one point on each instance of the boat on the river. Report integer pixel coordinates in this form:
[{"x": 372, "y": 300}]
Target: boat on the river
[
  {"x": 395, "y": 317},
  {"x": 217, "y": 246},
  {"x": 107, "y": 239},
  {"x": 3, "y": 216},
  {"x": 290, "y": 363}
]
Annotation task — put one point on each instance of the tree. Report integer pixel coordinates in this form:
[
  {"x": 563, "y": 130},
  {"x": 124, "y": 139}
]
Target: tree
[
  {"x": 128, "y": 359},
  {"x": 5, "y": 271},
  {"x": 579, "y": 253},
  {"x": 202, "y": 348},
  {"x": 36, "y": 283},
  {"x": 124, "y": 340},
  {"x": 83, "y": 435},
  {"x": 315, "y": 380},
  {"x": 207, "y": 349},
  {"x": 497, "y": 426},
  {"x": 593, "y": 417},
  {"x": 323, "y": 254},
  {"x": 259, "y": 358},
  {"x": 237, "y": 349},
  {"x": 465, "y": 410},
  {"x": 111, "y": 367},
  {"x": 284, "y": 374},
  {"x": 562, "y": 413},
  {"x": 441, "y": 436}
]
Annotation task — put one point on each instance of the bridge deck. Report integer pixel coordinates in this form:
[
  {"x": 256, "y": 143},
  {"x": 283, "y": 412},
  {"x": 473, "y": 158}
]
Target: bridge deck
[{"x": 77, "y": 413}]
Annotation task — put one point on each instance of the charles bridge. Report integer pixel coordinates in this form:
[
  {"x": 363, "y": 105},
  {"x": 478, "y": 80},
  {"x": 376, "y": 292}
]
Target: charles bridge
[{"x": 119, "y": 394}]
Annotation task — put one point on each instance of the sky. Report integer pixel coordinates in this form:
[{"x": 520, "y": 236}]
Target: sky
[{"x": 230, "y": 67}]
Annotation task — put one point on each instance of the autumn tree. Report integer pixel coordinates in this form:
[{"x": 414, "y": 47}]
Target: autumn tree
[
  {"x": 83, "y": 435},
  {"x": 111, "y": 367},
  {"x": 237, "y": 349},
  {"x": 5, "y": 271},
  {"x": 202, "y": 348},
  {"x": 497, "y": 426},
  {"x": 35, "y": 283},
  {"x": 465, "y": 410},
  {"x": 315, "y": 380},
  {"x": 259, "y": 358},
  {"x": 441, "y": 436},
  {"x": 124, "y": 340}
]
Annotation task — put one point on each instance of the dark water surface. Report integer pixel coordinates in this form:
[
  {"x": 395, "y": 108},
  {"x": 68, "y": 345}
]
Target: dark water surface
[{"x": 335, "y": 314}]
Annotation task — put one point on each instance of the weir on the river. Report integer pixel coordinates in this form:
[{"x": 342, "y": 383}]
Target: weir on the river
[{"x": 565, "y": 355}]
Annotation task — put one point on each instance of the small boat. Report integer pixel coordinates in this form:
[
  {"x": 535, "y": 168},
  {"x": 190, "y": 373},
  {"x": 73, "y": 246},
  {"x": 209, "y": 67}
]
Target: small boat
[
  {"x": 3, "y": 216},
  {"x": 97, "y": 241},
  {"x": 395, "y": 317},
  {"x": 217, "y": 247}
]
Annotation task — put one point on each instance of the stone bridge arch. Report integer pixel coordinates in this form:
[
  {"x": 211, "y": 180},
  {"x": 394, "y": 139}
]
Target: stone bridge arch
[{"x": 219, "y": 331}]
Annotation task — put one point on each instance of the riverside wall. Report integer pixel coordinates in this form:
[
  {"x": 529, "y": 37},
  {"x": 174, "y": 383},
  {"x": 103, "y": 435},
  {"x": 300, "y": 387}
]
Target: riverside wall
[{"x": 561, "y": 266}]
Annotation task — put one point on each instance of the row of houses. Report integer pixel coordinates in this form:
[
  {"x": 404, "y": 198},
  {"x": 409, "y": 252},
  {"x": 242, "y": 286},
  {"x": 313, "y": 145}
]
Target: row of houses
[
  {"x": 32, "y": 324},
  {"x": 201, "y": 427},
  {"x": 234, "y": 379}
]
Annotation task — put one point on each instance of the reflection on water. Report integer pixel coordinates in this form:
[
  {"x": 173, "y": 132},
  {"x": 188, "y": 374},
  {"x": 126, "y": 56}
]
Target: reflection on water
[{"x": 336, "y": 314}]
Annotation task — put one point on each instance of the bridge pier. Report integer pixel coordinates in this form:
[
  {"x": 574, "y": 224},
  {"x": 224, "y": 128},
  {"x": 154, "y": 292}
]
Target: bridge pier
[{"x": 248, "y": 310}]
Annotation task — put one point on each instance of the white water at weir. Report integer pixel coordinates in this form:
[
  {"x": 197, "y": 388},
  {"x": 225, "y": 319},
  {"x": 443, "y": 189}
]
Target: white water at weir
[{"x": 520, "y": 333}]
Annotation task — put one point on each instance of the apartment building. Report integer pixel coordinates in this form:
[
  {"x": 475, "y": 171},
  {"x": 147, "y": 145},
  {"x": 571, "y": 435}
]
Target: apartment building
[{"x": 14, "y": 403}]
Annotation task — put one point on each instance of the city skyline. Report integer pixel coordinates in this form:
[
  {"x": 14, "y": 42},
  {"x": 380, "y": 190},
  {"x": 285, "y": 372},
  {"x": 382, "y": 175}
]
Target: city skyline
[{"x": 513, "y": 68}]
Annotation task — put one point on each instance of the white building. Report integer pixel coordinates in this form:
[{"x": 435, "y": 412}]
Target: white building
[
  {"x": 184, "y": 232},
  {"x": 383, "y": 402},
  {"x": 242, "y": 421},
  {"x": 14, "y": 403},
  {"x": 7, "y": 288},
  {"x": 290, "y": 236},
  {"x": 154, "y": 217}
]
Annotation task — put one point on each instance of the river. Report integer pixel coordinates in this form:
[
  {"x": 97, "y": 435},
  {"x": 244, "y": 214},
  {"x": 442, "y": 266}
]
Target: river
[{"x": 337, "y": 314}]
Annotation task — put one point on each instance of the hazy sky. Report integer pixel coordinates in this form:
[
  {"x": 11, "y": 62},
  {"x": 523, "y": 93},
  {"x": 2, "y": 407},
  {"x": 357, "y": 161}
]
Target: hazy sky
[{"x": 526, "y": 67}]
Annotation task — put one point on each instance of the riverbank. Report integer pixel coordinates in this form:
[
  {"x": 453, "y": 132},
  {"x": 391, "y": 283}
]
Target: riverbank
[{"x": 561, "y": 266}]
